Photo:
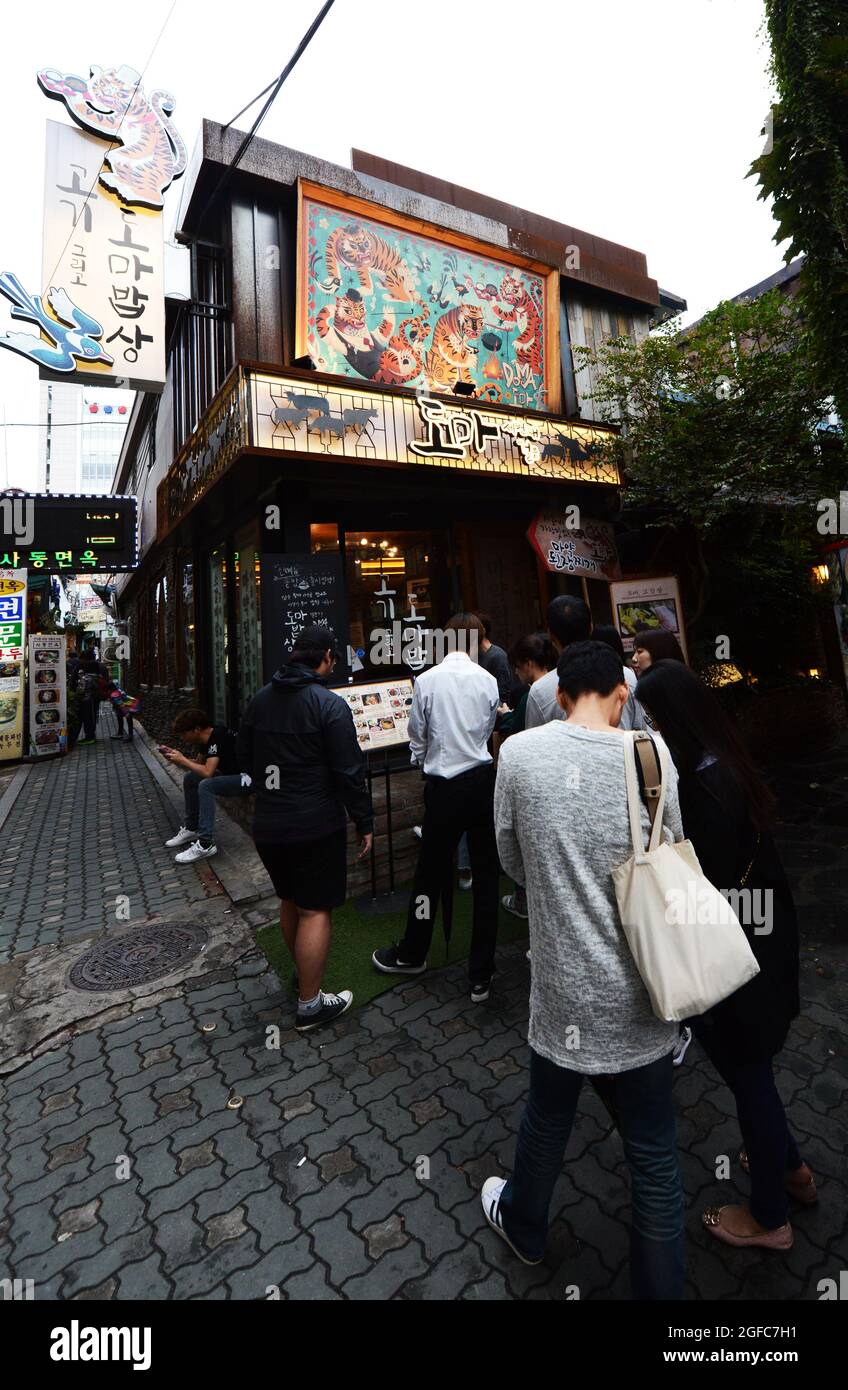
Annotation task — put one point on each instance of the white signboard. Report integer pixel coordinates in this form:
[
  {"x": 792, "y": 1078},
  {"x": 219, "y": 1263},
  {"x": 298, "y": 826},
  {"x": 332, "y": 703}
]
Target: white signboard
[
  {"x": 380, "y": 712},
  {"x": 109, "y": 261},
  {"x": 48, "y": 697},
  {"x": 587, "y": 550}
]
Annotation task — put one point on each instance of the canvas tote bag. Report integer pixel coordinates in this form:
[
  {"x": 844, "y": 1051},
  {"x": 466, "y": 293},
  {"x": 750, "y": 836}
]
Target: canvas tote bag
[{"x": 683, "y": 935}]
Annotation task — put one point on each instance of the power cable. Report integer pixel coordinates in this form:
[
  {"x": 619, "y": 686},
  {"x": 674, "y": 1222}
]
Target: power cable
[
  {"x": 248, "y": 139},
  {"x": 253, "y": 102}
]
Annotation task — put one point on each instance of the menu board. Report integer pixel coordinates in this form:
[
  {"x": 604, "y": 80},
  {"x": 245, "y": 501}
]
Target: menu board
[
  {"x": 380, "y": 712},
  {"x": 13, "y": 593},
  {"x": 48, "y": 696},
  {"x": 301, "y": 591},
  {"x": 648, "y": 603}
]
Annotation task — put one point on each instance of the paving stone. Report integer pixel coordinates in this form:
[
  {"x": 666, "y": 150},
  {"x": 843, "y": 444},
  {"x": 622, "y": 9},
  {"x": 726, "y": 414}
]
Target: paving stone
[
  {"x": 332, "y": 1165},
  {"x": 385, "y": 1235},
  {"x": 196, "y": 1156},
  {"x": 312, "y": 1284},
  {"x": 227, "y": 1227},
  {"x": 343, "y": 1251},
  {"x": 298, "y": 1105}
]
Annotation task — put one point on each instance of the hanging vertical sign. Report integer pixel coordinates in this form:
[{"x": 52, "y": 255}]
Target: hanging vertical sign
[
  {"x": 13, "y": 594},
  {"x": 100, "y": 316},
  {"x": 108, "y": 259},
  {"x": 48, "y": 696}
]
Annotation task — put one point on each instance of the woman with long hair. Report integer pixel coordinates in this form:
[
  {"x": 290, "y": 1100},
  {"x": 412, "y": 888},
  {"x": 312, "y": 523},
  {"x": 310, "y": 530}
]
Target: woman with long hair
[{"x": 726, "y": 812}]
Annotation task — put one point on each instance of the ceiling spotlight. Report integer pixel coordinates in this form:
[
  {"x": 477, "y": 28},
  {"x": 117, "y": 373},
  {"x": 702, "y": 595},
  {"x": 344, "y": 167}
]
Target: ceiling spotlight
[{"x": 464, "y": 388}]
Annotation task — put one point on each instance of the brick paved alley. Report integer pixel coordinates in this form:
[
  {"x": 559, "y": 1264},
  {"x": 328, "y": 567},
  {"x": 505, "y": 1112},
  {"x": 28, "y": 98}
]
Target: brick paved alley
[{"x": 125, "y": 1174}]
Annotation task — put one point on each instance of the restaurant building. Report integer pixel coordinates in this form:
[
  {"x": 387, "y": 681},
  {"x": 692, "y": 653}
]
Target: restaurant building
[
  {"x": 310, "y": 410},
  {"x": 371, "y": 395}
]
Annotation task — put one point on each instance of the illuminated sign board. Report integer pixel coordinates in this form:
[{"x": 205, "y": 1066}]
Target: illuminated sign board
[
  {"x": 13, "y": 595},
  {"x": 52, "y": 532}
]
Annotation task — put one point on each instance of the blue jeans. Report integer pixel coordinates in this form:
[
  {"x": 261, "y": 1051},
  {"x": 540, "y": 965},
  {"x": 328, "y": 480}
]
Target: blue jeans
[
  {"x": 200, "y": 793},
  {"x": 772, "y": 1151},
  {"x": 645, "y": 1115},
  {"x": 463, "y": 856}
]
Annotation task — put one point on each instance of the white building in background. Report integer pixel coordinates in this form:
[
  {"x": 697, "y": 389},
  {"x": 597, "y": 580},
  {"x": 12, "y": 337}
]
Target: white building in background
[{"x": 84, "y": 429}]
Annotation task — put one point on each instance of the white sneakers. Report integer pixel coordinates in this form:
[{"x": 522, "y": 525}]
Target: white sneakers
[
  {"x": 491, "y": 1199},
  {"x": 683, "y": 1041},
  {"x": 195, "y": 851},
  {"x": 182, "y": 837},
  {"x": 512, "y": 903}
]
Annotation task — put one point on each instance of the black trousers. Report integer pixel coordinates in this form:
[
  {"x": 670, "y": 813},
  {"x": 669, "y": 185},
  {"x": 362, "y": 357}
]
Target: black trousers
[{"x": 453, "y": 807}]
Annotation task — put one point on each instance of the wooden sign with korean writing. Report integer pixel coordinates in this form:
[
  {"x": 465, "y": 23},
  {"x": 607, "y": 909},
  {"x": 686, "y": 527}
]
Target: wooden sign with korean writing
[{"x": 300, "y": 591}]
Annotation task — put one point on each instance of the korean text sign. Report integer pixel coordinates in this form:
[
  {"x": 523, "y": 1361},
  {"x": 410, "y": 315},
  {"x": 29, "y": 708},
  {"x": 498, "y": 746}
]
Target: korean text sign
[
  {"x": 13, "y": 594},
  {"x": 109, "y": 259}
]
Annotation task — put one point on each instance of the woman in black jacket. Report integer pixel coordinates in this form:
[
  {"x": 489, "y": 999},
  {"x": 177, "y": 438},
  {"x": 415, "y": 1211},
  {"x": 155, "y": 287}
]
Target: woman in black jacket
[{"x": 726, "y": 812}]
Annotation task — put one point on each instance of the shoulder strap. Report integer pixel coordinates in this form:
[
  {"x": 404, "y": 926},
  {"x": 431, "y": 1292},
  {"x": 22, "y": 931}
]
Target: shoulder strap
[
  {"x": 646, "y": 761},
  {"x": 648, "y": 771}
]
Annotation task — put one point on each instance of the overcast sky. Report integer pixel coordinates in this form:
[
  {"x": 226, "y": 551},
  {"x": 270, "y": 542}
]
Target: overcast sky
[{"x": 636, "y": 120}]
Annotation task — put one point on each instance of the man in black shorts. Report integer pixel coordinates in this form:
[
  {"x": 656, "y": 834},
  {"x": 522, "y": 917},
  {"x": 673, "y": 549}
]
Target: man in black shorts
[{"x": 298, "y": 742}]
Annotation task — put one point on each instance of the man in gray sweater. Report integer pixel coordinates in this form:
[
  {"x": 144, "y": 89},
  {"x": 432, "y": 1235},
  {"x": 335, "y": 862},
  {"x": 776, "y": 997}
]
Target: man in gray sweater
[
  {"x": 562, "y": 825},
  {"x": 569, "y": 620}
]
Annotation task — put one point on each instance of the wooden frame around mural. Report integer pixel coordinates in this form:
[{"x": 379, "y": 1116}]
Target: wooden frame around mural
[{"x": 375, "y": 212}]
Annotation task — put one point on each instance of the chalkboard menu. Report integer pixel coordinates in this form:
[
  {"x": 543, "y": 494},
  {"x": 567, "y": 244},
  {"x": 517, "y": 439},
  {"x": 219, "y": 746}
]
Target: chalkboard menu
[{"x": 300, "y": 591}]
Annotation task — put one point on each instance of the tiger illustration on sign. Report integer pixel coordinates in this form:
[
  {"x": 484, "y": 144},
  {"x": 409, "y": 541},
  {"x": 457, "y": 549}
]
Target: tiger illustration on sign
[
  {"x": 401, "y": 362},
  {"x": 355, "y": 247},
  {"x": 344, "y": 327},
  {"x": 452, "y": 350},
  {"x": 525, "y": 315},
  {"x": 149, "y": 153}
]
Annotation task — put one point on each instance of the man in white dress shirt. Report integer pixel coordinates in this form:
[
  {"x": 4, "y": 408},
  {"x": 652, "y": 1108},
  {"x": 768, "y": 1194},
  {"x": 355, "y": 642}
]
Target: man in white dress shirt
[{"x": 453, "y": 713}]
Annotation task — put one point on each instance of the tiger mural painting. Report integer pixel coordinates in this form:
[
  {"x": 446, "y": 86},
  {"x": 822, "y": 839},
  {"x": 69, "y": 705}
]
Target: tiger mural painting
[
  {"x": 453, "y": 349},
  {"x": 384, "y": 354},
  {"x": 356, "y": 247},
  {"x": 525, "y": 315}
]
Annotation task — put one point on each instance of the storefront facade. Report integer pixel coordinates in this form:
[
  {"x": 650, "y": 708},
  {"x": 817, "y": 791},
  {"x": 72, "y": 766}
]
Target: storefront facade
[{"x": 370, "y": 397}]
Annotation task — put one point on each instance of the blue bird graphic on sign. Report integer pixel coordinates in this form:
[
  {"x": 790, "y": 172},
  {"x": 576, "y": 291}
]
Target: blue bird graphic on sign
[{"x": 75, "y": 334}]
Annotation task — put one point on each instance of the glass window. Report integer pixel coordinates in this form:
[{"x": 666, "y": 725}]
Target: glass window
[
  {"x": 185, "y": 654},
  {"x": 394, "y": 577},
  {"x": 323, "y": 536},
  {"x": 248, "y": 600},
  {"x": 218, "y": 634}
]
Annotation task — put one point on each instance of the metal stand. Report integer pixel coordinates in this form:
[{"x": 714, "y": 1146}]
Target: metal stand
[{"x": 393, "y": 901}]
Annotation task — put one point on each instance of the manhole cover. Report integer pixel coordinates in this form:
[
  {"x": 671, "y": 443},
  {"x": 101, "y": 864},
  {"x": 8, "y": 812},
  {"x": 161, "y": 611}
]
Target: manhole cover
[{"x": 138, "y": 956}]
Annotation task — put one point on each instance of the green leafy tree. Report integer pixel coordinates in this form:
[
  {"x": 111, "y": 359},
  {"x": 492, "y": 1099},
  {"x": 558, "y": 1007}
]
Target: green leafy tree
[
  {"x": 804, "y": 169},
  {"x": 719, "y": 449}
]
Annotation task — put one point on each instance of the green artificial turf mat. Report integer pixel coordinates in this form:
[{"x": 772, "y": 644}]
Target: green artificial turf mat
[{"x": 356, "y": 934}]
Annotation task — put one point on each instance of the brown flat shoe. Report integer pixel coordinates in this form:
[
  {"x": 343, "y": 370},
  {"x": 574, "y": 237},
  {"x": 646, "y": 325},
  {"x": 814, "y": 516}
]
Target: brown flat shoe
[
  {"x": 800, "y": 1183},
  {"x": 780, "y": 1239}
]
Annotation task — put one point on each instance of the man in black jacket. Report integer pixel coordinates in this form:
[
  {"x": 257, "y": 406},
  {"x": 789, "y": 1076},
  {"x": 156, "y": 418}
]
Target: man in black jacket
[{"x": 297, "y": 740}]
